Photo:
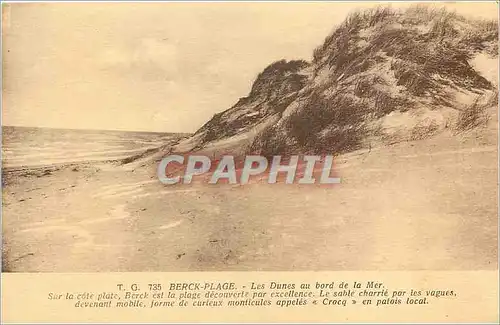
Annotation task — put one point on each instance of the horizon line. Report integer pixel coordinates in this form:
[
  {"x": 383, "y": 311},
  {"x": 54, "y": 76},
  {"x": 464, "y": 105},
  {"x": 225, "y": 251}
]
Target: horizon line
[{"x": 92, "y": 129}]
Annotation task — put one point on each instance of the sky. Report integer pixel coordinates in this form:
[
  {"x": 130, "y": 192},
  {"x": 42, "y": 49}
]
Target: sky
[{"x": 165, "y": 67}]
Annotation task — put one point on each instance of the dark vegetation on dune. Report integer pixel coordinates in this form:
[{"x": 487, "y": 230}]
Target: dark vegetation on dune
[
  {"x": 475, "y": 115},
  {"x": 377, "y": 61}
]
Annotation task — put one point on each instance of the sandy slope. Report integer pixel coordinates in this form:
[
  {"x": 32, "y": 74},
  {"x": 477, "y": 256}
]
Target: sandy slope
[{"x": 429, "y": 204}]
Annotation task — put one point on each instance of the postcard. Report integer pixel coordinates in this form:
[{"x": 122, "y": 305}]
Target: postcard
[{"x": 265, "y": 162}]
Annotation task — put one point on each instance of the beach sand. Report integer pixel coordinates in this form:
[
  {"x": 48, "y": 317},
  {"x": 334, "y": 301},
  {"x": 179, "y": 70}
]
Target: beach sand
[{"x": 428, "y": 204}]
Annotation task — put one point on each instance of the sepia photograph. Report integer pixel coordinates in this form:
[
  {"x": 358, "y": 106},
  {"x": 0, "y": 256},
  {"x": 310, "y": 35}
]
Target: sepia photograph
[{"x": 249, "y": 136}]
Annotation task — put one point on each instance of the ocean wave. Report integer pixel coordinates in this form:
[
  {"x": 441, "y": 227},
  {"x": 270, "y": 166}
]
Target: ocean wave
[{"x": 37, "y": 146}]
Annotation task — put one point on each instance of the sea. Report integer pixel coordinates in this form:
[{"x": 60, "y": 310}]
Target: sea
[{"x": 33, "y": 146}]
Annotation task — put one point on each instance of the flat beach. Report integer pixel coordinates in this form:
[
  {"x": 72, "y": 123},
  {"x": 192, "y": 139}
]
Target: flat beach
[{"x": 427, "y": 204}]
